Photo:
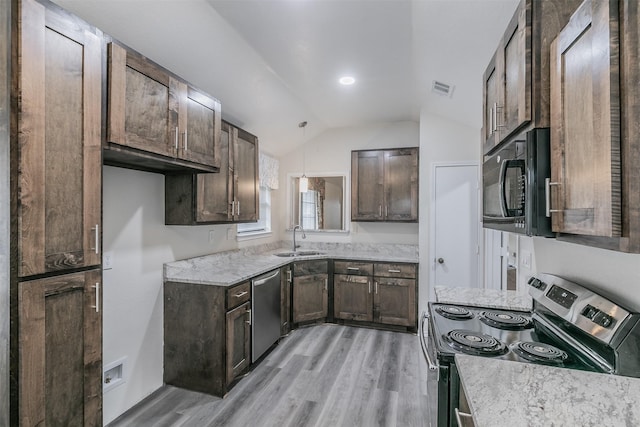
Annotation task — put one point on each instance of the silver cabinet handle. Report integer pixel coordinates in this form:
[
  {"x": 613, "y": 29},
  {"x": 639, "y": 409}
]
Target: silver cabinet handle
[
  {"x": 233, "y": 208},
  {"x": 491, "y": 121},
  {"x": 240, "y": 294},
  {"x": 547, "y": 195},
  {"x": 495, "y": 116},
  {"x": 97, "y": 288},
  {"x": 249, "y": 312},
  {"x": 238, "y": 202},
  {"x": 394, "y": 271},
  {"x": 376, "y": 286},
  {"x": 460, "y": 416},
  {"x": 379, "y": 210},
  {"x": 326, "y": 284},
  {"x": 289, "y": 276},
  {"x": 96, "y": 230},
  {"x": 177, "y": 137},
  {"x": 386, "y": 210},
  {"x": 185, "y": 140},
  {"x": 369, "y": 282},
  {"x": 353, "y": 268}
]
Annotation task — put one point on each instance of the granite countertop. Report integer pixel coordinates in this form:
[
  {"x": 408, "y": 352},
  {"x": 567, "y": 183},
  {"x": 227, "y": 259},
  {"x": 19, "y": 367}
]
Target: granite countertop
[
  {"x": 505, "y": 393},
  {"x": 232, "y": 267},
  {"x": 489, "y": 298}
]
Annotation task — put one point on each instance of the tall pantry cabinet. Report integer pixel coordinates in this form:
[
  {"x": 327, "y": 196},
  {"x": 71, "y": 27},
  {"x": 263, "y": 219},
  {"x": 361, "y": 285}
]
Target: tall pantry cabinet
[{"x": 56, "y": 163}]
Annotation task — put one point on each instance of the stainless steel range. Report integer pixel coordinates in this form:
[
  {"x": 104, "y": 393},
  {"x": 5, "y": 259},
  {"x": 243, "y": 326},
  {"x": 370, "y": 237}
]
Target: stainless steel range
[{"x": 570, "y": 327}]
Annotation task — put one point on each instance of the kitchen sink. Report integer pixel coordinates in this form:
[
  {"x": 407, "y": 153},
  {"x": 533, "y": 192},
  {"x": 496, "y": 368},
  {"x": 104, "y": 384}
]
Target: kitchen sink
[{"x": 298, "y": 254}]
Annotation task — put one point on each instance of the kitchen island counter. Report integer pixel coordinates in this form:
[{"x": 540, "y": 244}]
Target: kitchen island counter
[
  {"x": 232, "y": 267},
  {"x": 488, "y": 298},
  {"x": 504, "y": 393}
]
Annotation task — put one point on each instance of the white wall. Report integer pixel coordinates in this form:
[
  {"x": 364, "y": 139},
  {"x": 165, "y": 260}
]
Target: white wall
[
  {"x": 614, "y": 274},
  {"x": 441, "y": 140},
  {"x": 331, "y": 152},
  {"x": 135, "y": 235}
]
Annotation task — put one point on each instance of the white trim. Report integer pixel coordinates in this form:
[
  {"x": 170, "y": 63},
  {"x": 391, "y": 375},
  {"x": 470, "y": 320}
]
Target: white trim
[
  {"x": 346, "y": 195},
  {"x": 432, "y": 223}
]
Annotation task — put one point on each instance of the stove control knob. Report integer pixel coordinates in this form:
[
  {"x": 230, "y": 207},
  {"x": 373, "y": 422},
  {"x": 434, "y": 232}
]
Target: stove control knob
[{"x": 603, "y": 319}]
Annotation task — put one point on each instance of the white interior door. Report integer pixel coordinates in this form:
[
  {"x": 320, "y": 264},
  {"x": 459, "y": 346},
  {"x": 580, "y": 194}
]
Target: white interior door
[
  {"x": 495, "y": 259},
  {"x": 455, "y": 226}
]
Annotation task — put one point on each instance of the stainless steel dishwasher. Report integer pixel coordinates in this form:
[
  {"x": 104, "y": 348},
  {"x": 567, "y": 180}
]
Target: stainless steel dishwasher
[{"x": 265, "y": 310}]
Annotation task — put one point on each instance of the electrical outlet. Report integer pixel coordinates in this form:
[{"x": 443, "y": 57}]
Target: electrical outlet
[
  {"x": 212, "y": 237},
  {"x": 107, "y": 260}
]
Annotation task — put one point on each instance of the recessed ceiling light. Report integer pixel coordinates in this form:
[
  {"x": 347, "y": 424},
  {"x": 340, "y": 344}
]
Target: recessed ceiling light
[{"x": 347, "y": 80}]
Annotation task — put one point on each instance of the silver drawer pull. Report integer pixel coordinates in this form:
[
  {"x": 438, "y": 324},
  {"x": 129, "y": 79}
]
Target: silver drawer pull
[
  {"x": 353, "y": 268},
  {"x": 97, "y": 306},
  {"x": 394, "y": 271},
  {"x": 249, "y": 321},
  {"x": 240, "y": 294}
]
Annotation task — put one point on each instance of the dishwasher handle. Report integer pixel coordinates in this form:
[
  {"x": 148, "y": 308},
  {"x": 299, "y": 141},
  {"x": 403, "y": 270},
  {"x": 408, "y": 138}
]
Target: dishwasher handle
[{"x": 262, "y": 280}]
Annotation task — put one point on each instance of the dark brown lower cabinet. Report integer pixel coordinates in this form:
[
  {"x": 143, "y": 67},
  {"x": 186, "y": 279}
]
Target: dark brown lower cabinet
[
  {"x": 238, "y": 341},
  {"x": 395, "y": 301},
  {"x": 310, "y": 290},
  {"x": 60, "y": 350},
  {"x": 353, "y": 297},
  {"x": 207, "y": 335}
]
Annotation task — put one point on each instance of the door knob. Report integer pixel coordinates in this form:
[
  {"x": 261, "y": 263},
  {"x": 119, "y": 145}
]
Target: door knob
[{"x": 440, "y": 261}]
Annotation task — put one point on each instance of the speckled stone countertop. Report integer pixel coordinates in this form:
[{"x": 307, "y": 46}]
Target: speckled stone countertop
[
  {"x": 504, "y": 393},
  {"x": 490, "y": 298},
  {"x": 231, "y": 267}
]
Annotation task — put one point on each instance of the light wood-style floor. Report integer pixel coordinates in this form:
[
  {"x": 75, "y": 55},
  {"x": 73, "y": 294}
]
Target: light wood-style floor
[{"x": 324, "y": 375}]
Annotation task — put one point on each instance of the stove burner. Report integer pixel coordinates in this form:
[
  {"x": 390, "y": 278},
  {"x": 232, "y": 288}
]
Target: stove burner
[
  {"x": 454, "y": 312},
  {"x": 540, "y": 352},
  {"x": 508, "y": 321},
  {"x": 475, "y": 343}
]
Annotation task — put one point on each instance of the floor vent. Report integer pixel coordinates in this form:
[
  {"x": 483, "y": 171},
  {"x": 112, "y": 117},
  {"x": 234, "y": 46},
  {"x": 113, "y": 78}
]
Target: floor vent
[{"x": 442, "y": 89}]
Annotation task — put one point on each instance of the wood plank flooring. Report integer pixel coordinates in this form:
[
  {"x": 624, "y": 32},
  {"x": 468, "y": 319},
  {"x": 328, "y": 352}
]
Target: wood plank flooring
[{"x": 324, "y": 375}]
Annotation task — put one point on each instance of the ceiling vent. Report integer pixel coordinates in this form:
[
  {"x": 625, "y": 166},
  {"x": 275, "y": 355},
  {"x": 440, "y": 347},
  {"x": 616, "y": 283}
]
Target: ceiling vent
[{"x": 442, "y": 89}]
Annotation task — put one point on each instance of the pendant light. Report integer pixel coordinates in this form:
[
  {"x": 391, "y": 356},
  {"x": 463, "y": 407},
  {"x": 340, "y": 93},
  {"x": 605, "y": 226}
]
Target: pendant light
[{"x": 304, "y": 181}]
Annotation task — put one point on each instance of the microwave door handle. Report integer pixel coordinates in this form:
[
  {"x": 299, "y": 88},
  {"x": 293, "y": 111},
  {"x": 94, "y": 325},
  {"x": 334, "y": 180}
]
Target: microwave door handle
[{"x": 501, "y": 181}]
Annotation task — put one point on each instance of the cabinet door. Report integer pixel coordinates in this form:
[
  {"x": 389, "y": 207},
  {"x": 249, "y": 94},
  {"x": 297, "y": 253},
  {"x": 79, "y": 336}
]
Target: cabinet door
[
  {"x": 246, "y": 185},
  {"x": 59, "y": 136},
  {"x": 395, "y": 301},
  {"x": 310, "y": 297},
  {"x": 215, "y": 190},
  {"x": 353, "y": 298},
  {"x": 60, "y": 350},
  {"x": 491, "y": 95},
  {"x": 401, "y": 184},
  {"x": 143, "y": 104},
  {"x": 238, "y": 340},
  {"x": 585, "y": 123},
  {"x": 515, "y": 50},
  {"x": 199, "y": 124},
  {"x": 367, "y": 185}
]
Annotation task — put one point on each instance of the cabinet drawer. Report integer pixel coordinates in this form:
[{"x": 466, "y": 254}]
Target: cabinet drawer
[
  {"x": 395, "y": 270},
  {"x": 306, "y": 268},
  {"x": 349, "y": 267},
  {"x": 238, "y": 294}
]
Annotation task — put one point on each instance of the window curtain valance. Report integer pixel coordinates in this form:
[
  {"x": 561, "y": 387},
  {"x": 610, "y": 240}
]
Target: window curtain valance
[{"x": 269, "y": 169}]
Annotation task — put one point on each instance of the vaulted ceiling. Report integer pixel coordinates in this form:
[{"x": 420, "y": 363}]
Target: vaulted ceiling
[{"x": 275, "y": 63}]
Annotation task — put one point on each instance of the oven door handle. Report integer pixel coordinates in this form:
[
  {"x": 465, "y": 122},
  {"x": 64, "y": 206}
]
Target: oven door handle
[{"x": 423, "y": 341}]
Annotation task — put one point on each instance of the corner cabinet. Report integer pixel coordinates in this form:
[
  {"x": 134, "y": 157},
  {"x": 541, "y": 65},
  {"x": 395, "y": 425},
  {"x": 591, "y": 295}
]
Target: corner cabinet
[
  {"x": 310, "y": 291},
  {"x": 209, "y": 348},
  {"x": 156, "y": 121},
  {"x": 226, "y": 197},
  {"x": 59, "y": 93},
  {"x": 384, "y": 185},
  {"x": 516, "y": 88},
  {"x": 585, "y": 134}
]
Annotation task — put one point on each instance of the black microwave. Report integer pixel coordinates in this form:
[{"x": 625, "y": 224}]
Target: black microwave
[{"x": 514, "y": 195}]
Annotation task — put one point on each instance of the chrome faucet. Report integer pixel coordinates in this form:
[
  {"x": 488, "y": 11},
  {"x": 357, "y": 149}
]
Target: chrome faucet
[{"x": 304, "y": 236}]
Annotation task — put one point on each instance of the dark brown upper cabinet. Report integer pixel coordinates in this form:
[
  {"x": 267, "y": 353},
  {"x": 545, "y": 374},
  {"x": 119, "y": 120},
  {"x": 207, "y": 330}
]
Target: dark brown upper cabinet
[
  {"x": 384, "y": 185},
  {"x": 58, "y": 123},
  {"x": 156, "y": 121},
  {"x": 516, "y": 89},
  {"x": 585, "y": 132},
  {"x": 229, "y": 196}
]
